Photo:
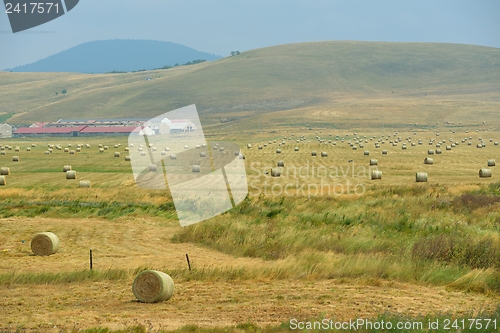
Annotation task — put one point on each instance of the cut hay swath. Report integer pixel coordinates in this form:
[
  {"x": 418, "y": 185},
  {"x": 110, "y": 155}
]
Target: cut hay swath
[
  {"x": 84, "y": 184},
  {"x": 153, "y": 286},
  {"x": 5, "y": 171},
  {"x": 485, "y": 173},
  {"x": 71, "y": 174},
  {"x": 44, "y": 244}
]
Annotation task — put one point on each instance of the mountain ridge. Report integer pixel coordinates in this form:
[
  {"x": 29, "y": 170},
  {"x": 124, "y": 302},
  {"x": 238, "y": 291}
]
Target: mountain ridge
[{"x": 118, "y": 55}]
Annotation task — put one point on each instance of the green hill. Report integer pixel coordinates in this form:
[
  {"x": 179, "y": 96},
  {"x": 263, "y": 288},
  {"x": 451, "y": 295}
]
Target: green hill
[{"x": 314, "y": 83}]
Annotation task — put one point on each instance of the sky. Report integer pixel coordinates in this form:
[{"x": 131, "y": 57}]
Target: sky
[{"x": 222, "y": 26}]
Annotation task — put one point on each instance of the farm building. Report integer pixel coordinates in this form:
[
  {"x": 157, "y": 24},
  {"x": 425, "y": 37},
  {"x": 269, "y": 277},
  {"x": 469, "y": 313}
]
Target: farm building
[
  {"x": 5, "y": 131},
  {"x": 107, "y": 130},
  {"x": 34, "y": 132}
]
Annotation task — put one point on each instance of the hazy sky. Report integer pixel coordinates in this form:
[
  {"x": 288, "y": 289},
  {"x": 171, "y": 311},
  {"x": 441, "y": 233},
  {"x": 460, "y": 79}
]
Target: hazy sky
[{"x": 221, "y": 26}]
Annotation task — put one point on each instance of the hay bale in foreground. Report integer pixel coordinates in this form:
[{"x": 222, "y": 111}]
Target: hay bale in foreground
[
  {"x": 485, "y": 173},
  {"x": 44, "y": 244},
  {"x": 3, "y": 181},
  {"x": 153, "y": 286},
  {"x": 84, "y": 184},
  {"x": 71, "y": 174},
  {"x": 376, "y": 174},
  {"x": 421, "y": 177},
  {"x": 66, "y": 168},
  {"x": 5, "y": 171},
  {"x": 490, "y": 163}
]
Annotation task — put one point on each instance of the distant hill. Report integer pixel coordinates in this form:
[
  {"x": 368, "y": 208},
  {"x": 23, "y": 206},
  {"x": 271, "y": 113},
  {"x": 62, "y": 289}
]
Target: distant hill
[
  {"x": 116, "y": 55},
  {"x": 308, "y": 84}
]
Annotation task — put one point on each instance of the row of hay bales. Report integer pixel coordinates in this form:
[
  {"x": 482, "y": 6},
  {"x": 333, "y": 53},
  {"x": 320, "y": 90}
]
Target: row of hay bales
[{"x": 149, "y": 286}]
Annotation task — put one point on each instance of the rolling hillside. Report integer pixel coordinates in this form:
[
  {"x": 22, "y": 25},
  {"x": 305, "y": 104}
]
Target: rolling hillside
[
  {"x": 307, "y": 84},
  {"x": 116, "y": 55}
]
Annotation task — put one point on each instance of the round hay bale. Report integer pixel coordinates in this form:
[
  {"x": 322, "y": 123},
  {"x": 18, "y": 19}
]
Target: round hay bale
[
  {"x": 72, "y": 152},
  {"x": 5, "y": 171},
  {"x": 3, "y": 181},
  {"x": 384, "y": 152},
  {"x": 196, "y": 168},
  {"x": 84, "y": 184},
  {"x": 313, "y": 153},
  {"x": 33, "y": 145},
  {"x": 221, "y": 149},
  {"x": 421, "y": 177},
  {"x": 249, "y": 145},
  {"x": 186, "y": 147},
  {"x": 173, "y": 156},
  {"x": 448, "y": 147},
  {"x": 278, "y": 151},
  {"x": 143, "y": 153},
  {"x": 428, "y": 160},
  {"x": 69, "y": 144},
  {"x": 44, "y": 244},
  {"x": 127, "y": 158},
  {"x": 280, "y": 164},
  {"x": 28, "y": 149},
  {"x": 260, "y": 147},
  {"x": 236, "y": 153},
  {"x": 100, "y": 145},
  {"x": 296, "y": 148},
  {"x": 154, "y": 148},
  {"x": 2, "y": 152},
  {"x": 152, "y": 168},
  {"x": 163, "y": 153},
  {"x": 66, "y": 168},
  {"x": 202, "y": 154},
  {"x": 101, "y": 150},
  {"x": 87, "y": 145},
  {"x": 241, "y": 156},
  {"x": 153, "y": 286},
  {"x": 106, "y": 147},
  {"x": 373, "y": 162},
  {"x": 78, "y": 149},
  {"x": 490, "y": 163},
  {"x": 430, "y": 152},
  {"x": 47, "y": 152},
  {"x": 479, "y": 145},
  {"x": 140, "y": 149},
  {"x": 354, "y": 148},
  {"x": 17, "y": 149},
  {"x": 127, "y": 149},
  {"x": 324, "y": 154},
  {"x": 438, "y": 151},
  {"x": 117, "y": 154},
  {"x": 116, "y": 146},
  {"x": 275, "y": 172},
  {"x": 15, "y": 159},
  {"x": 71, "y": 174},
  {"x": 376, "y": 174},
  {"x": 496, "y": 143},
  {"x": 66, "y": 150},
  {"x": 485, "y": 173},
  {"x": 366, "y": 153}
]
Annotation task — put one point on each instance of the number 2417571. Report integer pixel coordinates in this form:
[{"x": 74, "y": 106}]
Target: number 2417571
[{"x": 32, "y": 8}]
